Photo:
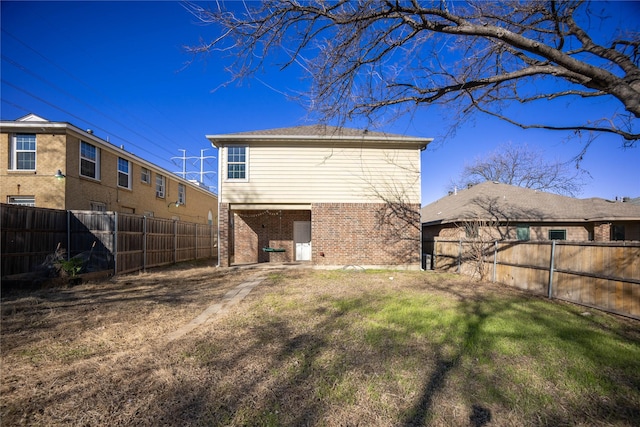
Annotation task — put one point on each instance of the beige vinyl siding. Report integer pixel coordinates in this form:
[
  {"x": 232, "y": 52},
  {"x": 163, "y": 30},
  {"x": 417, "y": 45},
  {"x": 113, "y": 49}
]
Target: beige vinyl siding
[{"x": 311, "y": 174}]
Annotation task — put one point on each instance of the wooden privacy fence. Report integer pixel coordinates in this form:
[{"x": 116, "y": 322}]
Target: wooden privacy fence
[
  {"x": 603, "y": 275},
  {"x": 119, "y": 242}
]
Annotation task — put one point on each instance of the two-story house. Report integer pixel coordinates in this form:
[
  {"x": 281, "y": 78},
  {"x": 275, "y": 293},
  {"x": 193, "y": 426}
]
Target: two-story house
[
  {"x": 60, "y": 166},
  {"x": 325, "y": 195}
]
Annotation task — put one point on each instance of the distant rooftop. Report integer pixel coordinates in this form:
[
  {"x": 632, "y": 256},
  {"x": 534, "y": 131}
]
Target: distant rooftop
[{"x": 496, "y": 201}]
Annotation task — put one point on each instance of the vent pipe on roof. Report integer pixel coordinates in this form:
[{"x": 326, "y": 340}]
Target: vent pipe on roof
[{"x": 90, "y": 131}]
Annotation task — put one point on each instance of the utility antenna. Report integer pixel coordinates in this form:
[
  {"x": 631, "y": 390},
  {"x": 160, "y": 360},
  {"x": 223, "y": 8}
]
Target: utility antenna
[
  {"x": 185, "y": 174},
  {"x": 184, "y": 163},
  {"x": 202, "y": 159}
]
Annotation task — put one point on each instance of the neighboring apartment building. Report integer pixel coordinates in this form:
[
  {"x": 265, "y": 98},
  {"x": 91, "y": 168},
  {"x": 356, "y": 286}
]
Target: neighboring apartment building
[
  {"x": 57, "y": 165},
  {"x": 507, "y": 212},
  {"x": 319, "y": 194}
]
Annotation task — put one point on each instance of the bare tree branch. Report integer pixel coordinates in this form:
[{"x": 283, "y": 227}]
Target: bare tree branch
[
  {"x": 525, "y": 167},
  {"x": 369, "y": 57}
]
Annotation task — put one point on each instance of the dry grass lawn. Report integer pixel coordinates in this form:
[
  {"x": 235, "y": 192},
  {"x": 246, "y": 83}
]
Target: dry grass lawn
[{"x": 305, "y": 347}]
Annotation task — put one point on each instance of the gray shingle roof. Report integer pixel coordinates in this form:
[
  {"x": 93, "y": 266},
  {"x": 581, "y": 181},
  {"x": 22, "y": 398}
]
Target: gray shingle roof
[
  {"x": 318, "y": 130},
  {"x": 316, "y": 133},
  {"x": 495, "y": 201}
]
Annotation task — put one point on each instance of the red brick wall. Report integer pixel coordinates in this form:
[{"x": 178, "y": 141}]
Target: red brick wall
[
  {"x": 362, "y": 234},
  {"x": 602, "y": 232},
  {"x": 254, "y": 230},
  {"x": 224, "y": 257},
  {"x": 365, "y": 234}
]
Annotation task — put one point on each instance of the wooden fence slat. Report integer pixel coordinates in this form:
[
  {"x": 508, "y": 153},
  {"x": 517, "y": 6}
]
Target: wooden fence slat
[
  {"x": 30, "y": 234},
  {"x": 604, "y": 275}
]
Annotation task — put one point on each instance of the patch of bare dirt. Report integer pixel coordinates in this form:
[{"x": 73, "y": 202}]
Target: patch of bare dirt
[{"x": 291, "y": 353}]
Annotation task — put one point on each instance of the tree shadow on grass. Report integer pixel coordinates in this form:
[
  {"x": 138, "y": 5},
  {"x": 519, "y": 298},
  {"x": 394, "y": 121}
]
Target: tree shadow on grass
[
  {"x": 471, "y": 321},
  {"x": 592, "y": 364},
  {"x": 308, "y": 362},
  {"x": 303, "y": 375}
]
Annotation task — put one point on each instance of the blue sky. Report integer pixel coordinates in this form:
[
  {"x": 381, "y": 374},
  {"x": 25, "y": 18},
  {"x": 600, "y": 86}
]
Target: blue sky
[{"x": 120, "y": 69}]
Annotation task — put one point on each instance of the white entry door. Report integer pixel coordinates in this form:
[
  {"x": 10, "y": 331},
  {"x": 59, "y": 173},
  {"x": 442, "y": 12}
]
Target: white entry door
[{"x": 302, "y": 240}]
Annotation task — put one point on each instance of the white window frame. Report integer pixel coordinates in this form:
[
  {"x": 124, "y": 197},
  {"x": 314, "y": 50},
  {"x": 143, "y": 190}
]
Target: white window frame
[
  {"x": 245, "y": 163},
  {"x": 145, "y": 176},
  {"x": 161, "y": 186},
  {"x": 22, "y": 200},
  {"x": 126, "y": 173},
  {"x": 182, "y": 194},
  {"x": 15, "y": 151},
  {"x": 95, "y": 161}
]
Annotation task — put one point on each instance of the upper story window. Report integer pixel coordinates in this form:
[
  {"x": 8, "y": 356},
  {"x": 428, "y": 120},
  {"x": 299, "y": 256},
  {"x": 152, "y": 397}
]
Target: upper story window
[
  {"x": 237, "y": 161},
  {"x": 89, "y": 160},
  {"x": 23, "y": 152},
  {"x": 145, "y": 176},
  {"x": 160, "y": 186},
  {"x": 182, "y": 194},
  {"x": 124, "y": 175}
]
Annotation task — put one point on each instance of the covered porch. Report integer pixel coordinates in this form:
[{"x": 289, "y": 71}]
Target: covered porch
[{"x": 274, "y": 233}]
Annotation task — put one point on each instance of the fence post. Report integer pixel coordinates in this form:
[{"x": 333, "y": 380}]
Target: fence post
[
  {"x": 495, "y": 260},
  {"x": 115, "y": 242},
  {"x": 175, "y": 241},
  {"x": 551, "y": 267},
  {"x": 435, "y": 253},
  {"x": 68, "y": 235},
  {"x": 144, "y": 243}
]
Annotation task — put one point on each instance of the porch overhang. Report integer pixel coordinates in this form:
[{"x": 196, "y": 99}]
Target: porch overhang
[{"x": 270, "y": 206}]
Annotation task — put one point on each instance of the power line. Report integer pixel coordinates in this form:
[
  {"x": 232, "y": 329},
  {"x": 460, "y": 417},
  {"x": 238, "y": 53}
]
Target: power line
[
  {"x": 25, "y": 70},
  {"x": 73, "y": 115},
  {"x": 202, "y": 158},
  {"x": 95, "y": 91}
]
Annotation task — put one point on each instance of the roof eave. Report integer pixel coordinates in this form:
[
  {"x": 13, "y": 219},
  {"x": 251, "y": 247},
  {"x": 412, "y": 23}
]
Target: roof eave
[
  {"x": 222, "y": 140},
  {"x": 533, "y": 220},
  {"x": 8, "y": 126}
]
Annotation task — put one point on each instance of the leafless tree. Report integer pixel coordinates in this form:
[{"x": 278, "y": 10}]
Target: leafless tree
[
  {"x": 478, "y": 244},
  {"x": 489, "y": 219},
  {"x": 525, "y": 167},
  {"x": 367, "y": 58}
]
